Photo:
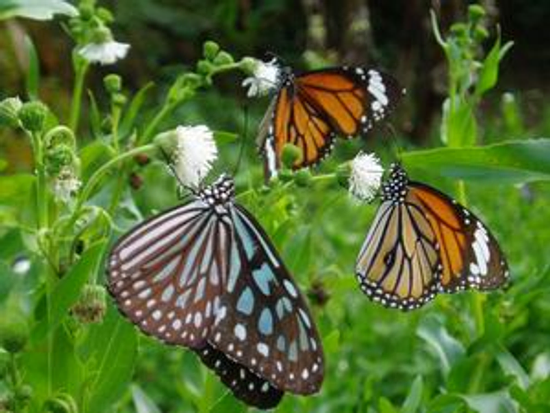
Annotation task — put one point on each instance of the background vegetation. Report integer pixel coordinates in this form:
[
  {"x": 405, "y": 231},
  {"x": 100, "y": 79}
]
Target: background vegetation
[{"x": 66, "y": 349}]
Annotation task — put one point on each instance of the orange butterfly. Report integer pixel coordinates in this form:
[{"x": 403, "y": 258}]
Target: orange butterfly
[
  {"x": 310, "y": 109},
  {"x": 422, "y": 243}
]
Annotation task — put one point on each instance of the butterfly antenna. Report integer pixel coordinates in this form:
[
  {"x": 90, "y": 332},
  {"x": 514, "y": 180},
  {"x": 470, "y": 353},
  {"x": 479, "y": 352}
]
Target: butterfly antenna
[{"x": 243, "y": 140}]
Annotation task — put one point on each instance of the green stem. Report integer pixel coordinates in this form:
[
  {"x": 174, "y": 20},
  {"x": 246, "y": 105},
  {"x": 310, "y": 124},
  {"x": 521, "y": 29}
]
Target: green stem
[
  {"x": 81, "y": 68},
  {"x": 324, "y": 177},
  {"x": 116, "y": 112},
  {"x": 159, "y": 117}
]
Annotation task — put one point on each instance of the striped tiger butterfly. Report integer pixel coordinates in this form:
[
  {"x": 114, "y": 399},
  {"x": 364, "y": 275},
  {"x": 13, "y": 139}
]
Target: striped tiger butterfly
[
  {"x": 310, "y": 109},
  {"x": 205, "y": 275},
  {"x": 422, "y": 243}
]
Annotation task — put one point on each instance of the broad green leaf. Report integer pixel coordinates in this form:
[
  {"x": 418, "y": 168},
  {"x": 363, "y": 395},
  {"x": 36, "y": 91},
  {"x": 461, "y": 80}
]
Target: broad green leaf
[
  {"x": 448, "y": 349},
  {"x": 67, "y": 290},
  {"x": 95, "y": 116},
  {"x": 511, "y": 366},
  {"x": 386, "y": 406},
  {"x": 32, "y": 77},
  {"x": 131, "y": 114},
  {"x": 67, "y": 373},
  {"x": 112, "y": 349},
  {"x": 15, "y": 189},
  {"x": 507, "y": 162},
  {"x": 414, "y": 398},
  {"x": 36, "y": 9},
  {"x": 142, "y": 402}
]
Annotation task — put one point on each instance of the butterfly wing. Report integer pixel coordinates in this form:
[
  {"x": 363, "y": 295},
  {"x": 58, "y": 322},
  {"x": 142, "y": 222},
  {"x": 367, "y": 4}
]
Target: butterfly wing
[
  {"x": 470, "y": 254},
  {"x": 167, "y": 274},
  {"x": 296, "y": 121},
  {"x": 398, "y": 264},
  {"x": 268, "y": 328},
  {"x": 246, "y": 385},
  {"x": 351, "y": 99}
]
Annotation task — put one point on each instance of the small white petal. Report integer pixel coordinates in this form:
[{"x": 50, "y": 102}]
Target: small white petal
[
  {"x": 195, "y": 153},
  {"x": 105, "y": 53},
  {"x": 366, "y": 176},
  {"x": 66, "y": 185},
  {"x": 264, "y": 78}
]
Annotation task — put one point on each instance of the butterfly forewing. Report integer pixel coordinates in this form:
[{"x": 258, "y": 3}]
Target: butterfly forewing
[
  {"x": 398, "y": 263},
  {"x": 246, "y": 385},
  {"x": 167, "y": 274},
  {"x": 269, "y": 328}
]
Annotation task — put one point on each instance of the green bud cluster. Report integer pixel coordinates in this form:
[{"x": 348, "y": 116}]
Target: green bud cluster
[
  {"x": 9, "y": 112},
  {"x": 92, "y": 304},
  {"x": 14, "y": 333}
]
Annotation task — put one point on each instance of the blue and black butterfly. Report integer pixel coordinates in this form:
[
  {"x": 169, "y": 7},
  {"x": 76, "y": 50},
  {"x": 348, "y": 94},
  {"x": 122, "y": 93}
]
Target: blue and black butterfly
[{"x": 206, "y": 276}]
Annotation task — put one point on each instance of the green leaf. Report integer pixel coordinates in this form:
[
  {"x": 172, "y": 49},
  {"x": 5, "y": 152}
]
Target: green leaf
[
  {"x": 508, "y": 162},
  {"x": 511, "y": 366},
  {"x": 222, "y": 137},
  {"x": 458, "y": 125},
  {"x": 331, "y": 342},
  {"x": 498, "y": 402},
  {"x": 95, "y": 116},
  {"x": 67, "y": 290},
  {"x": 385, "y": 406},
  {"x": 228, "y": 403},
  {"x": 414, "y": 398},
  {"x": 137, "y": 102},
  {"x": 142, "y": 401},
  {"x": 32, "y": 78},
  {"x": 94, "y": 156},
  {"x": 112, "y": 350},
  {"x": 15, "y": 189},
  {"x": 488, "y": 75},
  {"x": 67, "y": 374},
  {"x": 36, "y": 9},
  {"x": 448, "y": 349}
]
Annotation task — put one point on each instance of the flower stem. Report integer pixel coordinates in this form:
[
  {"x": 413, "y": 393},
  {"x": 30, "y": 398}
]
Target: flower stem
[
  {"x": 159, "y": 117},
  {"x": 81, "y": 68}
]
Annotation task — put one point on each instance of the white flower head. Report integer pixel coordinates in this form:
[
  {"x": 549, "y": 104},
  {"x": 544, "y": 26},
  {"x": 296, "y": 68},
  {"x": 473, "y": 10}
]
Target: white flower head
[
  {"x": 366, "y": 176},
  {"x": 104, "y": 53},
  {"x": 265, "y": 77},
  {"x": 66, "y": 185},
  {"x": 194, "y": 154},
  {"x": 21, "y": 265}
]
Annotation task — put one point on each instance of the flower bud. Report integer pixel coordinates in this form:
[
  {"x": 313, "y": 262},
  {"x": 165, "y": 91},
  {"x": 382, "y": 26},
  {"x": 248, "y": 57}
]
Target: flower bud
[
  {"x": 105, "y": 15},
  {"x": 291, "y": 155},
  {"x": 303, "y": 177},
  {"x": 91, "y": 306},
  {"x": 9, "y": 110},
  {"x": 223, "y": 58},
  {"x": 142, "y": 159},
  {"x": 476, "y": 12},
  {"x": 119, "y": 99},
  {"x": 33, "y": 115},
  {"x": 286, "y": 175},
  {"x": 59, "y": 135},
  {"x": 101, "y": 35},
  {"x": 210, "y": 49},
  {"x": 481, "y": 33},
  {"x": 249, "y": 65},
  {"x": 113, "y": 83},
  {"x": 14, "y": 333},
  {"x": 58, "y": 158},
  {"x": 204, "y": 67},
  {"x": 85, "y": 11}
]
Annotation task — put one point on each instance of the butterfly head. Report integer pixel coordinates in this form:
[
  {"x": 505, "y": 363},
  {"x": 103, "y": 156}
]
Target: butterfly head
[
  {"x": 220, "y": 193},
  {"x": 395, "y": 188}
]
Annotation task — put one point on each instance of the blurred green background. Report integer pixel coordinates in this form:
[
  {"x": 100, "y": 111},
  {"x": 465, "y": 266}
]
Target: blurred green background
[{"x": 378, "y": 360}]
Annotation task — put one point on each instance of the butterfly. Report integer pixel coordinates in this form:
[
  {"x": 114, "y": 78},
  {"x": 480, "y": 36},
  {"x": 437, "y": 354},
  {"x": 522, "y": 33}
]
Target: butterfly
[
  {"x": 309, "y": 109},
  {"x": 422, "y": 243},
  {"x": 205, "y": 275}
]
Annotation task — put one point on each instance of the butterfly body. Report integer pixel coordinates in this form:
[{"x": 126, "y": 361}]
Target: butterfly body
[
  {"x": 310, "y": 109},
  {"x": 422, "y": 243},
  {"x": 205, "y": 275}
]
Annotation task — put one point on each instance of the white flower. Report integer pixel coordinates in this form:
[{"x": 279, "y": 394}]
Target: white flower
[
  {"x": 265, "y": 77},
  {"x": 21, "y": 265},
  {"x": 366, "y": 176},
  {"x": 105, "y": 53},
  {"x": 194, "y": 154},
  {"x": 66, "y": 185}
]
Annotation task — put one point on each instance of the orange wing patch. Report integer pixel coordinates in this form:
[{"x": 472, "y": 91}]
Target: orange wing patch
[{"x": 448, "y": 231}]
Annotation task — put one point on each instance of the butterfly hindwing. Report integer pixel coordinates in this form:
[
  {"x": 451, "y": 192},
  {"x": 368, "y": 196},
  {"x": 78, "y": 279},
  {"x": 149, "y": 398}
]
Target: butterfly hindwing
[
  {"x": 470, "y": 254},
  {"x": 168, "y": 273},
  {"x": 269, "y": 329},
  {"x": 246, "y": 385}
]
